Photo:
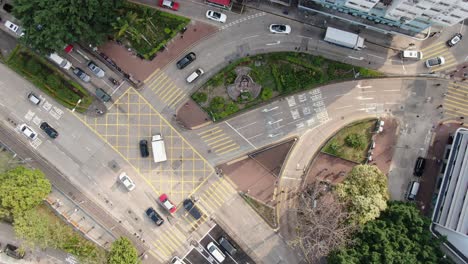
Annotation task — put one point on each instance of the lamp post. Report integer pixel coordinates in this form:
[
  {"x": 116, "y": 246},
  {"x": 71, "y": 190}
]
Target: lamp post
[{"x": 77, "y": 103}]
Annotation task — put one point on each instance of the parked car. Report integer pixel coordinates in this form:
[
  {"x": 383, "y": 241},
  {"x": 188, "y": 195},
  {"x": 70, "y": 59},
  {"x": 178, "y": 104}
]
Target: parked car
[
  {"x": 169, "y": 4},
  {"x": 14, "y": 251},
  {"x": 177, "y": 260},
  {"x": 82, "y": 75},
  {"x": 126, "y": 181},
  {"x": 167, "y": 203},
  {"x": 50, "y": 131},
  {"x": 437, "y": 61},
  {"x": 34, "y": 98},
  {"x": 215, "y": 252},
  {"x": 192, "y": 209},
  {"x": 186, "y": 60},
  {"x": 28, "y": 132},
  {"x": 280, "y": 29},
  {"x": 379, "y": 125},
  {"x": 227, "y": 246},
  {"x": 412, "y": 55},
  {"x": 419, "y": 167},
  {"x": 216, "y": 16},
  {"x": 454, "y": 40},
  {"x": 13, "y": 27},
  {"x": 95, "y": 69},
  {"x": 144, "y": 148},
  {"x": 154, "y": 216},
  {"x": 102, "y": 95}
]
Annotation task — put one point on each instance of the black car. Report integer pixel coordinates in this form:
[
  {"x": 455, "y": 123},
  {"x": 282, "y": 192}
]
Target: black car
[
  {"x": 49, "y": 130},
  {"x": 419, "y": 167},
  {"x": 144, "y": 148},
  {"x": 454, "y": 40},
  {"x": 157, "y": 219},
  {"x": 186, "y": 60},
  {"x": 101, "y": 94},
  {"x": 192, "y": 209},
  {"x": 14, "y": 252}
]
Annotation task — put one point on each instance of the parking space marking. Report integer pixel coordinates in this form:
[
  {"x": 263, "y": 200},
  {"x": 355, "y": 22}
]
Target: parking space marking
[{"x": 219, "y": 142}]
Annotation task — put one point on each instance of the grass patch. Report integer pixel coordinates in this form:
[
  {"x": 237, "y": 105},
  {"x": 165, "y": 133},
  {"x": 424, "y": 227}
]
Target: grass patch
[
  {"x": 7, "y": 161},
  {"x": 146, "y": 30},
  {"x": 265, "y": 211},
  {"x": 279, "y": 74},
  {"x": 49, "y": 79},
  {"x": 352, "y": 142}
]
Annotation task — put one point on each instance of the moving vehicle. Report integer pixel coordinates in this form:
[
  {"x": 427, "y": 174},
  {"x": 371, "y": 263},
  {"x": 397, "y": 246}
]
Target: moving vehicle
[
  {"x": 437, "y": 61},
  {"x": 13, "y": 27},
  {"x": 419, "y": 167},
  {"x": 454, "y": 40},
  {"x": 101, "y": 94},
  {"x": 192, "y": 209},
  {"x": 34, "y": 98},
  {"x": 412, "y": 191},
  {"x": 28, "y": 132},
  {"x": 154, "y": 216},
  {"x": 177, "y": 260},
  {"x": 216, "y": 16},
  {"x": 227, "y": 246},
  {"x": 344, "y": 38},
  {"x": 126, "y": 181},
  {"x": 412, "y": 55},
  {"x": 95, "y": 69},
  {"x": 144, "y": 148},
  {"x": 14, "y": 251},
  {"x": 186, "y": 60},
  {"x": 61, "y": 62},
  {"x": 194, "y": 75},
  {"x": 166, "y": 203},
  {"x": 216, "y": 252},
  {"x": 159, "y": 148},
  {"x": 81, "y": 74},
  {"x": 169, "y": 4},
  {"x": 50, "y": 131},
  {"x": 280, "y": 29}
]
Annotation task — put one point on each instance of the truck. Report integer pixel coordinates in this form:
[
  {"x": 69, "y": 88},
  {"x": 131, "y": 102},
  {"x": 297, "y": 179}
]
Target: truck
[
  {"x": 344, "y": 38},
  {"x": 159, "y": 149}
]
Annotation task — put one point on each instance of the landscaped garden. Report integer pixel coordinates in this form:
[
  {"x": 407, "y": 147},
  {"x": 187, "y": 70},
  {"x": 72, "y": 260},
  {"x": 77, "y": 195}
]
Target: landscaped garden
[
  {"x": 252, "y": 80},
  {"x": 146, "y": 30},
  {"x": 352, "y": 142},
  {"x": 49, "y": 79}
]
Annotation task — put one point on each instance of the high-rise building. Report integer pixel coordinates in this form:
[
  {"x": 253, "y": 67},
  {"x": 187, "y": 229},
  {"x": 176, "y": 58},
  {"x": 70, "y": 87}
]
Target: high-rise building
[{"x": 404, "y": 16}]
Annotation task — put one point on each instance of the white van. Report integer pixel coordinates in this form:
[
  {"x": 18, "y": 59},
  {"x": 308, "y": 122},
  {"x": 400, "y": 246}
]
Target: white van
[
  {"x": 216, "y": 252},
  {"x": 63, "y": 63},
  {"x": 413, "y": 190},
  {"x": 411, "y": 54},
  {"x": 197, "y": 73}
]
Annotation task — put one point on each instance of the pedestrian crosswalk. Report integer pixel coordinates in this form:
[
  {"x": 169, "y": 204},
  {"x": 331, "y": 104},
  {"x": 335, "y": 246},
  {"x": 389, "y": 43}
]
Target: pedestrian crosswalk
[
  {"x": 215, "y": 195},
  {"x": 168, "y": 242},
  {"x": 286, "y": 198},
  {"x": 242, "y": 20},
  {"x": 168, "y": 92},
  {"x": 440, "y": 49},
  {"x": 456, "y": 100},
  {"x": 218, "y": 141}
]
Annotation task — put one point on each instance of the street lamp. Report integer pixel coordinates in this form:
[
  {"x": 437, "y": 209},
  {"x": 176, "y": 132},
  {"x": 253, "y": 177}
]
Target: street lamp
[{"x": 77, "y": 103}]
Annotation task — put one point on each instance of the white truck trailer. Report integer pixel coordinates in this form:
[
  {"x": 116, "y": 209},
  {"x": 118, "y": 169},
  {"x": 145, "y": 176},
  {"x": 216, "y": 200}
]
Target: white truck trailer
[
  {"x": 343, "y": 38},
  {"x": 159, "y": 149}
]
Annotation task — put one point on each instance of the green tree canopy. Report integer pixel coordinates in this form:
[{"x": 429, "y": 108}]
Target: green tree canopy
[
  {"x": 365, "y": 191},
  {"x": 21, "y": 189},
  {"x": 400, "y": 235},
  {"x": 122, "y": 252},
  {"x": 50, "y": 25}
]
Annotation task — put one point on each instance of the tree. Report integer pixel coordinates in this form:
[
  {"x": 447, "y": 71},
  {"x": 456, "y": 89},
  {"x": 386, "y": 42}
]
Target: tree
[
  {"x": 399, "y": 235},
  {"x": 356, "y": 141},
  {"x": 323, "y": 223},
  {"x": 122, "y": 252},
  {"x": 51, "y": 25},
  {"x": 21, "y": 189},
  {"x": 365, "y": 192}
]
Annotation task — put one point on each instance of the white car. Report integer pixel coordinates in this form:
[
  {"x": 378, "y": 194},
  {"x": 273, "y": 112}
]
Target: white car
[
  {"x": 280, "y": 29},
  {"x": 216, "y": 252},
  {"x": 216, "y": 16},
  {"x": 13, "y": 27},
  {"x": 126, "y": 181},
  {"x": 437, "y": 61},
  {"x": 28, "y": 132}
]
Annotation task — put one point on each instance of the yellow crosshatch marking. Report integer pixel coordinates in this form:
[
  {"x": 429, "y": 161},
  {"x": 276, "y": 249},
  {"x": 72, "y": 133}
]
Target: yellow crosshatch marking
[
  {"x": 219, "y": 142},
  {"x": 165, "y": 89},
  {"x": 132, "y": 119},
  {"x": 440, "y": 49},
  {"x": 456, "y": 100}
]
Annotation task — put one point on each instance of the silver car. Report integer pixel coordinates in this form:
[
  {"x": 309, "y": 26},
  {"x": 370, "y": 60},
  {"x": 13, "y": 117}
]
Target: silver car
[
  {"x": 82, "y": 75},
  {"x": 95, "y": 69}
]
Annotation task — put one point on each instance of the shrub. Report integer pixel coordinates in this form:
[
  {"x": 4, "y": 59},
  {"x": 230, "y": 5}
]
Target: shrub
[
  {"x": 217, "y": 104},
  {"x": 53, "y": 81},
  {"x": 266, "y": 94},
  {"x": 231, "y": 108},
  {"x": 333, "y": 148},
  {"x": 356, "y": 141},
  {"x": 200, "y": 97},
  {"x": 167, "y": 31},
  {"x": 33, "y": 67}
]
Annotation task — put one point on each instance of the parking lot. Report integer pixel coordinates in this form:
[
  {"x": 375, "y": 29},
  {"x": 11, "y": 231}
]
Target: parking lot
[
  {"x": 130, "y": 119},
  {"x": 200, "y": 255}
]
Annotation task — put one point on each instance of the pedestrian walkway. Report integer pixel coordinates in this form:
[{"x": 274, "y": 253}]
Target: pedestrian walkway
[
  {"x": 456, "y": 100},
  {"x": 440, "y": 49},
  {"x": 218, "y": 141}
]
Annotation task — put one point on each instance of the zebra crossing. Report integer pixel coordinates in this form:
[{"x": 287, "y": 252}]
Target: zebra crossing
[
  {"x": 166, "y": 90},
  {"x": 242, "y": 20},
  {"x": 440, "y": 49}
]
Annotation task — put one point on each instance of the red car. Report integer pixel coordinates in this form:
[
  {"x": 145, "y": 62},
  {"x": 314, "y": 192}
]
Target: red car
[
  {"x": 167, "y": 203},
  {"x": 169, "y": 4}
]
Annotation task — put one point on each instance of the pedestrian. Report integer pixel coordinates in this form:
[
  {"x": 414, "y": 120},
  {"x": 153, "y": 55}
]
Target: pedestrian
[
  {"x": 444, "y": 94},
  {"x": 461, "y": 124},
  {"x": 464, "y": 67},
  {"x": 437, "y": 84},
  {"x": 440, "y": 106},
  {"x": 462, "y": 117}
]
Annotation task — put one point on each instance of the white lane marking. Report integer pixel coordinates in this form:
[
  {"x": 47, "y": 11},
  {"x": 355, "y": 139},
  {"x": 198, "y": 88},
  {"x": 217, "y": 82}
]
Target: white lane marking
[
  {"x": 118, "y": 87},
  {"x": 250, "y": 37},
  {"x": 343, "y": 94},
  {"x": 376, "y": 56},
  {"x": 347, "y": 106},
  {"x": 364, "y": 98},
  {"x": 279, "y": 113},
  {"x": 256, "y": 136},
  {"x": 246, "y": 125},
  {"x": 368, "y": 91},
  {"x": 274, "y": 122},
  {"x": 271, "y": 109},
  {"x": 397, "y": 90},
  {"x": 276, "y": 43},
  {"x": 240, "y": 134},
  {"x": 71, "y": 55},
  {"x": 354, "y": 58}
]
